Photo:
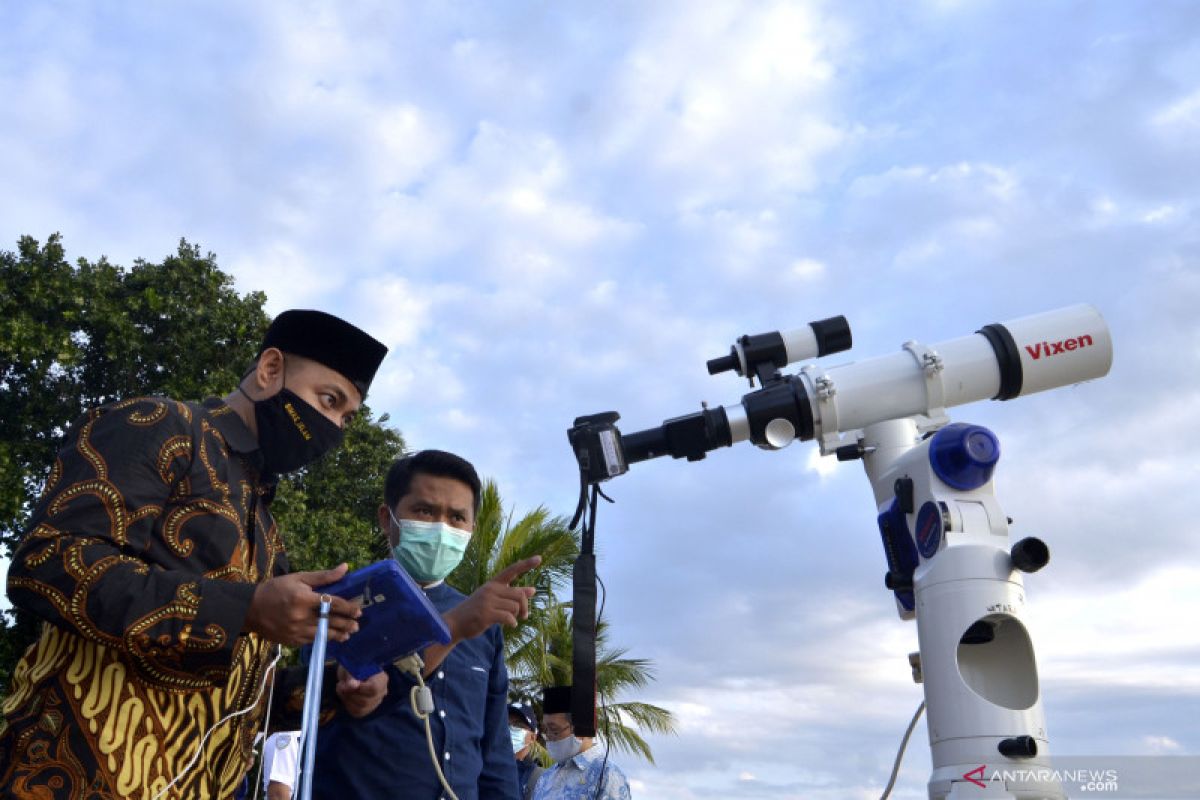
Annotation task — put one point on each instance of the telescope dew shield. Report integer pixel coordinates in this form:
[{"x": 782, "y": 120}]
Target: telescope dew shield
[
  {"x": 1053, "y": 349},
  {"x": 1001, "y": 361}
]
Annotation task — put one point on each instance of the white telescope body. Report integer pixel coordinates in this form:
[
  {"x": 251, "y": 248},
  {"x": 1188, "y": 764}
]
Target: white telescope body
[
  {"x": 946, "y": 538},
  {"x": 1001, "y": 361}
]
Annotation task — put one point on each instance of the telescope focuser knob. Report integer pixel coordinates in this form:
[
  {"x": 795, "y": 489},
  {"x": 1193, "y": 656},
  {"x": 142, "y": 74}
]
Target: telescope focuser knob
[
  {"x": 1030, "y": 554},
  {"x": 850, "y": 452}
]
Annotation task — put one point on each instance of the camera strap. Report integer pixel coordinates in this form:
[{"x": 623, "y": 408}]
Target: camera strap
[{"x": 583, "y": 624}]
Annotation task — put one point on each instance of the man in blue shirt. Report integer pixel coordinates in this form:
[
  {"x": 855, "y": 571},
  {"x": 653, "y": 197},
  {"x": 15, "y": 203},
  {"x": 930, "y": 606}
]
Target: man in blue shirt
[
  {"x": 582, "y": 770},
  {"x": 431, "y": 499}
]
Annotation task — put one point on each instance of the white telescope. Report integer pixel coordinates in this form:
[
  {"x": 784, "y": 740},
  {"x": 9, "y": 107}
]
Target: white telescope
[
  {"x": 1000, "y": 361},
  {"x": 945, "y": 536}
]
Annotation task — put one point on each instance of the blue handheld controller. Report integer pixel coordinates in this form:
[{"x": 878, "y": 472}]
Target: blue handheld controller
[{"x": 397, "y": 619}]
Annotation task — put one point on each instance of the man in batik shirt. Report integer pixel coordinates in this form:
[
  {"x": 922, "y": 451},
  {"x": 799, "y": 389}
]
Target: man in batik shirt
[
  {"x": 153, "y": 559},
  {"x": 581, "y": 769}
]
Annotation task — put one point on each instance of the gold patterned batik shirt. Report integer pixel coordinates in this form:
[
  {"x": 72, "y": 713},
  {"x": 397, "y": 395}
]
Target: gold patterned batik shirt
[{"x": 142, "y": 557}]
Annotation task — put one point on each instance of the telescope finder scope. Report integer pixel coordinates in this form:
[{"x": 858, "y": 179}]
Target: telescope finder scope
[{"x": 760, "y": 355}]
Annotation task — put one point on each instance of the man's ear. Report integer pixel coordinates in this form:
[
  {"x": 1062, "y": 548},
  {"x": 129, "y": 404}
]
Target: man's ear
[
  {"x": 385, "y": 524},
  {"x": 267, "y": 377}
]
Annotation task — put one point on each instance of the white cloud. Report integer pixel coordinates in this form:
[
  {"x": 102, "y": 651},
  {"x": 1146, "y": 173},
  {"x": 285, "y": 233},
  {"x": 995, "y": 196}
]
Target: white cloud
[
  {"x": 1129, "y": 636},
  {"x": 1184, "y": 113},
  {"x": 1164, "y": 213},
  {"x": 408, "y": 144},
  {"x": 396, "y": 310},
  {"x": 294, "y": 280},
  {"x": 1162, "y": 745},
  {"x": 458, "y": 420},
  {"x": 808, "y": 269},
  {"x": 705, "y": 97}
]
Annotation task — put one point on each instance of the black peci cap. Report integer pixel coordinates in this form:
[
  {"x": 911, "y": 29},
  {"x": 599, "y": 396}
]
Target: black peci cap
[
  {"x": 556, "y": 700},
  {"x": 327, "y": 340}
]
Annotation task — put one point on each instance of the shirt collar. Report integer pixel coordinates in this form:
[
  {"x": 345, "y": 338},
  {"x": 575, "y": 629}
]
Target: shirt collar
[
  {"x": 584, "y": 758},
  {"x": 239, "y": 438}
]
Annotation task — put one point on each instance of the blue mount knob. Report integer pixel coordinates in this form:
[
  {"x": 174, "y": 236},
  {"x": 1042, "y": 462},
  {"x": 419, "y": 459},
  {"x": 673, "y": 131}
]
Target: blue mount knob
[{"x": 963, "y": 455}]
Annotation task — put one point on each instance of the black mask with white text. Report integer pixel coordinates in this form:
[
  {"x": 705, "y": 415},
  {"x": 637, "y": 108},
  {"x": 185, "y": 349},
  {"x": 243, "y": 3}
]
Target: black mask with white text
[{"x": 292, "y": 433}]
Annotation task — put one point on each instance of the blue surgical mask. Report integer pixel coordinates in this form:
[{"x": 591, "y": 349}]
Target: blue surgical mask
[
  {"x": 564, "y": 749},
  {"x": 429, "y": 551},
  {"x": 518, "y": 738}
]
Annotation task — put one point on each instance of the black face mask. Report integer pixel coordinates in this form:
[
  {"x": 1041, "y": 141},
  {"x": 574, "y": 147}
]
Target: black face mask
[{"x": 291, "y": 433}]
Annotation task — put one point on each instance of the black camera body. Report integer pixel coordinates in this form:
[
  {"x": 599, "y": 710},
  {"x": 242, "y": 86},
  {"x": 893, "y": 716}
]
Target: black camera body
[{"x": 598, "y": 448}]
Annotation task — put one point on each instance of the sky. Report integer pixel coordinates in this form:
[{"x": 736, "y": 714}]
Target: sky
[{"x": 554, "y": 209}]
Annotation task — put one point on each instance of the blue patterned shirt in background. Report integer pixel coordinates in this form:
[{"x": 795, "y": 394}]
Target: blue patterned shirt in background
[{"x": 577, "y": 779}]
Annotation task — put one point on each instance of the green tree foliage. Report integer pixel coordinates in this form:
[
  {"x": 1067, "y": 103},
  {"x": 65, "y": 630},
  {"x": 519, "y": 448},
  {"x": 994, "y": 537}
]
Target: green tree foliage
[
  {"x": 499, "y": 541},
  {"x": 75, "y": 335},
  {"x": 538, "y": 652},
  {"x": 326, "y": 512}
]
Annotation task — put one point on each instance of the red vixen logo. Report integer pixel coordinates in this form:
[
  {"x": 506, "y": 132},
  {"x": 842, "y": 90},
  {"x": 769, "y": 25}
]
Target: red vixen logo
[{"x": 1054, "y": 348}]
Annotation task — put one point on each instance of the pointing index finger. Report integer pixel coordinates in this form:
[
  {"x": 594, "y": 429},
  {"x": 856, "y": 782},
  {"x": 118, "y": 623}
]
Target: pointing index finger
[{"x": 514, "y": 571}]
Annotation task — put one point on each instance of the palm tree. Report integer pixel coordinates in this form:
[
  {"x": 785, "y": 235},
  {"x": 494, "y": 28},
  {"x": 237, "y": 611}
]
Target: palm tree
[
  {"x": 538, "y": 651},
  {"x": 499, "y": 541},
  {"x": 545, "y": 660}
]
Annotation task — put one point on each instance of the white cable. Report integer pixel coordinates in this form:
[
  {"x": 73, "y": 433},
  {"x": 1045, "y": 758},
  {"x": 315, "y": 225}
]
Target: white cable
[
  {"x": 267, "y": 726},
  {"x": 900, "y": 753},
  {"x": 217, "y": 724},
  {"x": 422, "y": 704}
]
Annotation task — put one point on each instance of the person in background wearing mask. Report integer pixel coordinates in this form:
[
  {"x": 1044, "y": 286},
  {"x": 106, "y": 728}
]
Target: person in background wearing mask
[
  {"x": 430, "y": 502},
  {"x": 581, "y": 771},
  {"x": 153, "y": 559},
  {"x": 522, "y": 727}
]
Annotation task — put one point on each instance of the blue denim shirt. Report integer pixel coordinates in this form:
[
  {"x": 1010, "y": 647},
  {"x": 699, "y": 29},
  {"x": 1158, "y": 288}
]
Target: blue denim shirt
[{"x": 385, "y": 755}]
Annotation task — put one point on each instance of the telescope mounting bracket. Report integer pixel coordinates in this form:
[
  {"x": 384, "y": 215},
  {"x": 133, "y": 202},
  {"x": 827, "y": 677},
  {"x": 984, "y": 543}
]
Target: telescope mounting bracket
[{"x": 931, "y": 365}]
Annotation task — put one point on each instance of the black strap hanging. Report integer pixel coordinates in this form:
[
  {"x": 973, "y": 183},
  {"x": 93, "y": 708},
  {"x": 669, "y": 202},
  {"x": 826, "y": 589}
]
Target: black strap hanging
[{"x": 583, "y": 625}]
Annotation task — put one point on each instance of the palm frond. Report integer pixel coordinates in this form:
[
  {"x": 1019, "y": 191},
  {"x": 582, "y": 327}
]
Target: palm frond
[{"x": 538, "y": 650}]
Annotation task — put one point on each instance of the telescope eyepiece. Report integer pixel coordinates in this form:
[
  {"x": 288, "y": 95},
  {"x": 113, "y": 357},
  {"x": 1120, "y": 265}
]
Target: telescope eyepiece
[{"x": 724, "y": 363}]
